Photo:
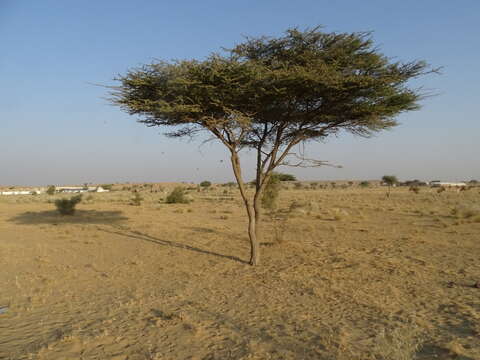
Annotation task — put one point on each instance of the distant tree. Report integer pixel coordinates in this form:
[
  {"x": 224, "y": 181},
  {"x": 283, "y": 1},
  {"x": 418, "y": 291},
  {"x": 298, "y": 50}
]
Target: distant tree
[
  {"x": 270, "y": 95},
  {"x": 389, "y": 180},
  {"x": 51, "y": 190},
  {"x": 364, "y": 184},
  {"x": 205, "y": 184}
]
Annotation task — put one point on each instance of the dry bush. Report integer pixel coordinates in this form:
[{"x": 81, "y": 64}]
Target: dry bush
[
  {"x": 414, "y": 189},
  {"x": 136, "y": 199},
  {"x": 466, "y": 212}
]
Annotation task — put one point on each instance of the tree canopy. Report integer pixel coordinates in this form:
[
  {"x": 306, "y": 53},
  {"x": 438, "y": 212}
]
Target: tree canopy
[{"x": 271, "y": 94}]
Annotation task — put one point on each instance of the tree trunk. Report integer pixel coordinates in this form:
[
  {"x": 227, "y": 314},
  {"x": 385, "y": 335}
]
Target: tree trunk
[
  {"x": 252, "y": 224},
  {"x": 258, "y": 214},
  {"x": 252, "y": 234}
]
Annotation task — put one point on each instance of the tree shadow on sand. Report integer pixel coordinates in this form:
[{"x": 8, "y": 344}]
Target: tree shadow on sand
[
  {"x": 81, "y": 217},
  {"x": 145, "y": 237}
]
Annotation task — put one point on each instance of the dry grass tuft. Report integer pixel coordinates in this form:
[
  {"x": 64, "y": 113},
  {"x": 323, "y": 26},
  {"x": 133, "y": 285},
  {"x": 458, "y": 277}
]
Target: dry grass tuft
[{"x": 401, "y": 343}]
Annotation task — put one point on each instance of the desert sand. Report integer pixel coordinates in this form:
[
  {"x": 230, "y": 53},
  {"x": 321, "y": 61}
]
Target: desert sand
[{"x": 345, "y": 274}]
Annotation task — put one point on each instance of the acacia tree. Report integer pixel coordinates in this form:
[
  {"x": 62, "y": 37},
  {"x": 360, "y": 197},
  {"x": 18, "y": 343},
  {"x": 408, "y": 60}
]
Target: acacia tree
[
  {"x": 389, "y": 180},
  {"x": 269, "y": 95}
]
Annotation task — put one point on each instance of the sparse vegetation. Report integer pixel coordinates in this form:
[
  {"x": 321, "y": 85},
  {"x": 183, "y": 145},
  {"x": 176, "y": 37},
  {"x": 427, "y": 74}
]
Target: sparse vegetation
[
  {"x": 322, "y": 247},
  {"x": 67, "y": 206},
  {"x": 51, "y": 190}
]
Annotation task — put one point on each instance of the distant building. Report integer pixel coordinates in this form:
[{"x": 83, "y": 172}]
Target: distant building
[
  {"x": 437, "y": 183},
  {"x": 16, "y": 192},
  {"x": 59, "y": 189},
  {"x": 79, "y": 189}
]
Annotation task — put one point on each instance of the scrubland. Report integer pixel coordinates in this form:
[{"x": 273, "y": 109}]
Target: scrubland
[{"x": 346, "y": 273}]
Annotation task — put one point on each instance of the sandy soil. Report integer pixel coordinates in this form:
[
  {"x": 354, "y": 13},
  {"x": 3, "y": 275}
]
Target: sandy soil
[{"x": 350, "y": 275}]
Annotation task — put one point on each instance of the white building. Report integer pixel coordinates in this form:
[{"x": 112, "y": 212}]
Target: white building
[
  {"x": 447, "y": 184},
  {"x": 79, "y": 189}
]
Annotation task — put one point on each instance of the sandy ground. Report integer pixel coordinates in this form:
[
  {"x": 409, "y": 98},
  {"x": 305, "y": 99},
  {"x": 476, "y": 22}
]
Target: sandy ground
[{"x": 350, "y": 275}]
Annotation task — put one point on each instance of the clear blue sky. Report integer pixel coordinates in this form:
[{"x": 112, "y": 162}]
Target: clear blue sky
[{"x": 57, "y": 128}]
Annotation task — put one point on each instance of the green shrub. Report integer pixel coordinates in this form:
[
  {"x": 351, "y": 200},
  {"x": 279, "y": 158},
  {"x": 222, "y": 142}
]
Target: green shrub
[
  {"x": 107, "y": 186},
  {"x": 205, "y": 184},
  {"x": 271, "y": 192},
  {"x": 51, "y": 190},
  {"x": 67, "y": 206},
  {"x": 364, "y": 184},
  {"x": 177, "y": 196},
  {"x": 286, "y": 177}
]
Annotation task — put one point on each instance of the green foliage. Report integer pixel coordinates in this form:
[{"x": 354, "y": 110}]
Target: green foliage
[
  {"x": 205, "y": 184},
  {"x": 390, "y": 180},
  {"x": 252, "y": 86},
  {"x": 271, "y": 192},
  {"x": 364, "y": 184},
  {"x": 51, "y": 190},
  {"x": 177, "y": 196},
  {"x": 136, "y": 199},
  {"x": 107, "y": 186},
  {"x": 286, "y": 177},
  {"x": 67, "y": 206}
]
